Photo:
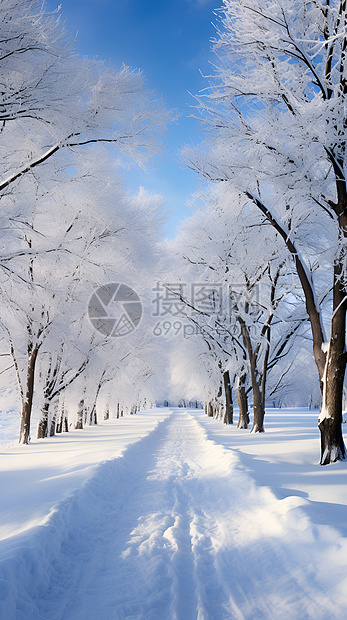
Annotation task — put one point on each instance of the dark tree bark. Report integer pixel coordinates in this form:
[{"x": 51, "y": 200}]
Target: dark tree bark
[
  {"x": 330, "y": 419},
  {"x": 258, "y": 407},
  {"x": 229, "y": 409},
  {"x": 91, "y": 416},
  {"x": 59, "y": 427},
  {"x": 243, "y": 403},
  {"x": 27, "y": 400},
  {"x": 256, "y": 380},
  {"x": 47, "y": 424},
  {"x": 42, "y": 429}
]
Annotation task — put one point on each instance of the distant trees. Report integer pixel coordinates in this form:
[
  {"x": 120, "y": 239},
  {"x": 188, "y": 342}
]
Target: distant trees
[
  {"x": 276, "y": 113},
  {"x": 249, "y": 311}
]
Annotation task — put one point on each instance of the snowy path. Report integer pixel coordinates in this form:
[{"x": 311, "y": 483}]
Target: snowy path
[{"x": 176, "y": 529}]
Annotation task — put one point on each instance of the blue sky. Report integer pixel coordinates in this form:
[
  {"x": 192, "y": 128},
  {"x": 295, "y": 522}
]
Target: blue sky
[{"x": 170, "y": 41}]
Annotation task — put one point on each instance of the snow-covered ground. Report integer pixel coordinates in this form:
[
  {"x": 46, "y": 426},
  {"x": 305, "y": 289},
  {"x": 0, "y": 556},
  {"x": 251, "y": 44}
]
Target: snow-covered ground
[{"x": 171, "y": 515}]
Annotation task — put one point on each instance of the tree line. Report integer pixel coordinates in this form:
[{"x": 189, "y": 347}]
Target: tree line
[
  {"x": 68, "y": 224},
  {"x": 275, "y": 118},
  {"x": 270, "y": 226}
]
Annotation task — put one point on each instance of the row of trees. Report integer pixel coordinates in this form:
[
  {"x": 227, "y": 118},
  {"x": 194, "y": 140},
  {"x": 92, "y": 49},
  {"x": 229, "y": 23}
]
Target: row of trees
[
  {"x": 67, "y": 223},
  {"x": 268, "y": 243},
  {"x": 248, "y": 306},
  {"x": 275, "y": 117}
]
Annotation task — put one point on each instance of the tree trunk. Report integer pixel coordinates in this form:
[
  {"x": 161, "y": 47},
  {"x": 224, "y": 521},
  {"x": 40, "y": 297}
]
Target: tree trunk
[
  {"x": 258, "y": 409},
  {"x": 62, "y": 425},
  {"x": 216, "y": 404},
  {"x": 107, "y": 413},
  {"x": 80, "y": 411},
  {"x": 258, "y": 399},
  {"x": 59, "y": 427},
  {"x": 330, "y": 417},
  {"x": 265, "y": 370},
  {"x": 27, "y": 402},
  {"x": 53, "y": 421},
  {"x": 91, "y": 417},
  {"x": 229, "y": 409},
  {"x": 243, "y": 404},
  {"x": 42, "y": 429}
]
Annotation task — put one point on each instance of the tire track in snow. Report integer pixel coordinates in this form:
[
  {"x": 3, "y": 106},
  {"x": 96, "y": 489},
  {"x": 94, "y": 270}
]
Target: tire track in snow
[
  {"x": 182, "y": 461},
  {"x": 176, "y": 530},
  {"x": 97, "y": 574}
]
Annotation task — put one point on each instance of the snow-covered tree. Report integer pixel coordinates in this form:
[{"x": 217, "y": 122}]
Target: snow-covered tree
[
  {"x": 54, "y": 109},
  {"x": 276, "y": 111},
  {"x": 77, "y": 232},
  {"x": 249, "y": 267},
  {"x": 52, "y": 100}
]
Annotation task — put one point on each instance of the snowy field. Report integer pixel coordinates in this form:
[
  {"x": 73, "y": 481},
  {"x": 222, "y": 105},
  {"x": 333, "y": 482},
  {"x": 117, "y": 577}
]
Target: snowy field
[{"x": 171, "y": 515}]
